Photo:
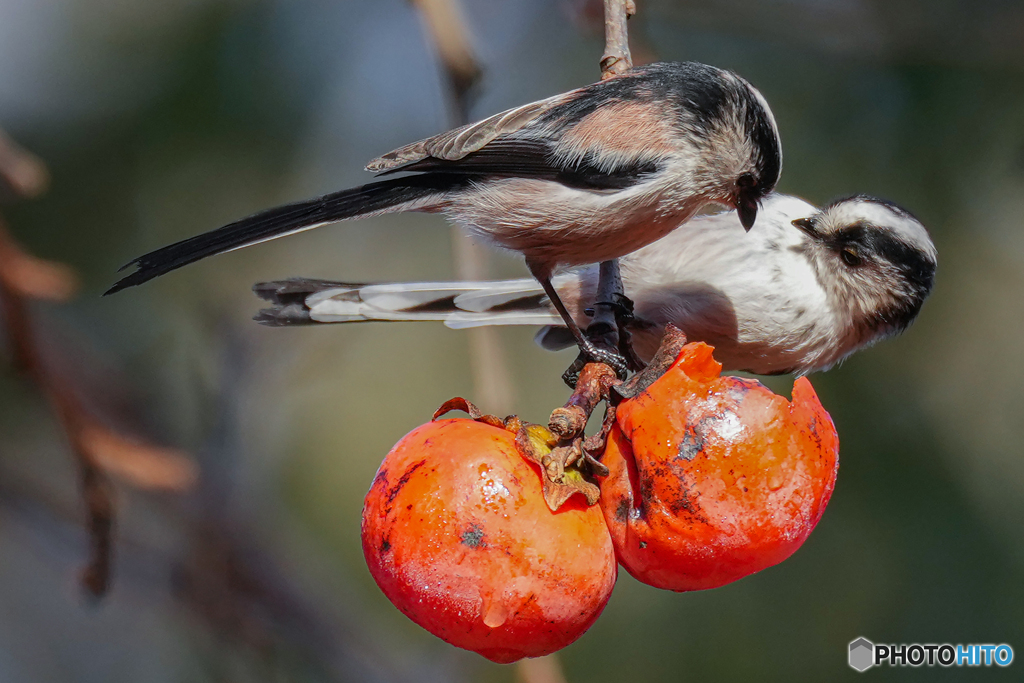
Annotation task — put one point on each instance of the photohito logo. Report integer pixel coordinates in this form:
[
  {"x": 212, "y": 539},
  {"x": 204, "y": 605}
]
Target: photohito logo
[{"x": 864, "y": 654}]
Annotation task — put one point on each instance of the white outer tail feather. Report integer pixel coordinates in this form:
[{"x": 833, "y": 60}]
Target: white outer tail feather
[{"x": 471, "y": 303}]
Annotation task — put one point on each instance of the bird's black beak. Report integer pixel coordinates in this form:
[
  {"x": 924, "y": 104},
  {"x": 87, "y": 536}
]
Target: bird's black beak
[
  {"x": 806, "y": 225},
  {"x": 746, "y": 207}
]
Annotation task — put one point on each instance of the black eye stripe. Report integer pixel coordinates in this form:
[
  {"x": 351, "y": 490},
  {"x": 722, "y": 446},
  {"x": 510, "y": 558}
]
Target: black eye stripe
[
  {"x": 858, "y": 233},
  {"x": 874, "y": 242}
]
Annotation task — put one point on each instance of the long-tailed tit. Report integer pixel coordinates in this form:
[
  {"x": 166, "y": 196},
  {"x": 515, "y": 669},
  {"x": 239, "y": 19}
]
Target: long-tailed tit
[
  {"x": 803, "y": 290},
  {"x": 581, "y": 177}
]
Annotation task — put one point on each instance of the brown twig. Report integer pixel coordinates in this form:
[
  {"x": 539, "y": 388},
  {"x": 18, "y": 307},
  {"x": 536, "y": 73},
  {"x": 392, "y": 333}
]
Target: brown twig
[
  {"x": 611, "y": 305},
  {"x": 569, "y": 421},
  {"x": 616, "y": 59},
  {"x": 671, "y": 344}
]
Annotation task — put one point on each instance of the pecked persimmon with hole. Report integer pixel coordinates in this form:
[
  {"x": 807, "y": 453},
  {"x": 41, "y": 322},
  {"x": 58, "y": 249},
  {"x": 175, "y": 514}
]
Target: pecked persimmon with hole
[
  {"x": 457, "y": 534},
  {"x": 714, "y": 478}
]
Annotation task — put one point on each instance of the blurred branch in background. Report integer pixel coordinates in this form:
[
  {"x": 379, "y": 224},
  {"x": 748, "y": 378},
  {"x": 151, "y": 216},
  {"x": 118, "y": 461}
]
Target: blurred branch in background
[
  {"x": 227, "y": 579},
  {"x": 98, "y": 450},
  {"x": 450, "y": 38},
  {"x": 22, "y": 172},
  {"x": 492, "y": 380}
]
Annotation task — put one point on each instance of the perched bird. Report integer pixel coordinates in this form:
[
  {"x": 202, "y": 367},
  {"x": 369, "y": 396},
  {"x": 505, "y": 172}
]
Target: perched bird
[
  {"x": 581, "y": 177},
  {"x": 803, "y": 290}
]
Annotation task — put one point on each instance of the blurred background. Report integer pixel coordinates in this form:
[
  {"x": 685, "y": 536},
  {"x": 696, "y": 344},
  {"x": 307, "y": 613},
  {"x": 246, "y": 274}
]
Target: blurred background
[{"x": 233, "y": 458}]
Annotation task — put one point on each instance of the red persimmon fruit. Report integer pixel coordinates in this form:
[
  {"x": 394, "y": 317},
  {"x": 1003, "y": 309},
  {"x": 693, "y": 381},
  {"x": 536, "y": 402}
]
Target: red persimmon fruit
[
  {"x": 457, "y": 535},
  {"x": 713, "y": 478}
]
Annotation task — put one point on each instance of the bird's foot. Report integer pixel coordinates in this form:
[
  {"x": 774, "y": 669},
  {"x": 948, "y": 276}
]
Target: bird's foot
[
  {"x": 605, "y": 344},
  {"x": 591, "y": 352}
]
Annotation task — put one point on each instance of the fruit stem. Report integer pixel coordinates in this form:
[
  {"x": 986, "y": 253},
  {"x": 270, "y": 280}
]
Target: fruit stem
[{"x": 569, "y": 421}]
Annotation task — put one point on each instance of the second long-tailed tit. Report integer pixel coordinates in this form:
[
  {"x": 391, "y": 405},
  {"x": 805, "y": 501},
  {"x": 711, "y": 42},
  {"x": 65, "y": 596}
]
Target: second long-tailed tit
[
  {"x": 581, "y": 177},
  {"x": 803, "y": 290}
]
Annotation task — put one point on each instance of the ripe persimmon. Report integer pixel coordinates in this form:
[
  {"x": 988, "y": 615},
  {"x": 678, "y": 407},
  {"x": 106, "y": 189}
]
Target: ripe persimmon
[
  {"x": 713, "y": 478},
  {"x": 457, "y": 535}
]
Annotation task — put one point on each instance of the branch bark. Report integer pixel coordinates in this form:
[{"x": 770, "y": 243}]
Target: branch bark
[{"x": 616, "y": 59}]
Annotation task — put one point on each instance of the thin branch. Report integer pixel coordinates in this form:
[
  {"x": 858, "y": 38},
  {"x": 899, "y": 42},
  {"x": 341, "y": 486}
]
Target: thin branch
[{"x": 616, "y": 59}]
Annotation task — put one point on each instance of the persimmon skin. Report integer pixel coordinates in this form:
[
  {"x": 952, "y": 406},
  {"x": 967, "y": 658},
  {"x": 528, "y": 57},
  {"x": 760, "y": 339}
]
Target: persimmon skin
[
  {"x": 457, "y": 535},
  {"x": 714, "y": 478}
]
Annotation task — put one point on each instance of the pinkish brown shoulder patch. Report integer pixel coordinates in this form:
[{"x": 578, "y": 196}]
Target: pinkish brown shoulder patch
[{"x": 626, "y": 128}]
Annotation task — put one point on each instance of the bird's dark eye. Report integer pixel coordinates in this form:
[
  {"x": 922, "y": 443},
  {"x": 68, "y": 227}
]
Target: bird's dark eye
[
  {"x": 746, "y": 181},
  {"x": 851, "y": 257}
]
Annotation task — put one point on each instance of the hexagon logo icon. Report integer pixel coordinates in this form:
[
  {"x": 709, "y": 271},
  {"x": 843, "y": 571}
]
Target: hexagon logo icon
[{"x": 862, "y": 654}]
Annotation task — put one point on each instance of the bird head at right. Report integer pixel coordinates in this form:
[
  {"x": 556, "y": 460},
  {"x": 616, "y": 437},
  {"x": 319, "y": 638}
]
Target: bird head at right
[{"x": 875, "y": 260}]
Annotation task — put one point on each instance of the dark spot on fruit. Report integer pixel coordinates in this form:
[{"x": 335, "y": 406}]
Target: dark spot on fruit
[
  {"x": 643, "y": 544},
  {"x": 385, "y": 546},
  {"x": 684, "y": 502},
  {"x": 474, "y": 537},
  {"x": 691, "y": 444},
  {"x": 744, "y": 489},
  {"x": 408, "y": 507},
  {"x": 814, "y": 431},
  {"x": 622, "y": 510},
  {"x": 404, "y": 480},
  {"x": 739, "y": 390},
  {"x": 646, "y": 495}
]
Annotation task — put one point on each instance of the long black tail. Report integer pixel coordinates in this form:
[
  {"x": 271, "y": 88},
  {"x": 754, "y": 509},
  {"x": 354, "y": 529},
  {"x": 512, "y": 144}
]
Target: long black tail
[{"x": 285, "y": 220}]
